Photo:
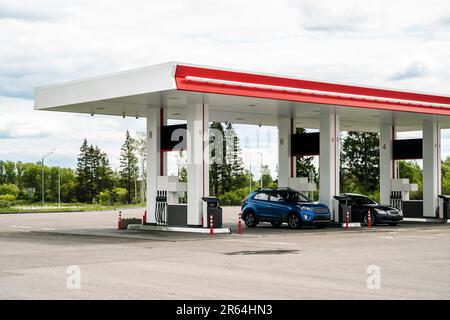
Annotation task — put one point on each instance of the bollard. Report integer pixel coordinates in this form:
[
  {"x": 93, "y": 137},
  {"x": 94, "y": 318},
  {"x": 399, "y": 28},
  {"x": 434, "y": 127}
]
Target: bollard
[
  {"x": 239, "y": 224},
  {"x": 347, "y": 218},
  {"x": 211, "y": 231},
  {"x": 144, "y": 218},
  {"x": 369, "y": 219},
  {"x": 119, "y": 221}
]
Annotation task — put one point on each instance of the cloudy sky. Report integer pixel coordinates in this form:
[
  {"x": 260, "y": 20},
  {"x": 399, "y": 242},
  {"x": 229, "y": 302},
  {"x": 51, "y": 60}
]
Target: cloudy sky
[{"x": 399, "y": 44}]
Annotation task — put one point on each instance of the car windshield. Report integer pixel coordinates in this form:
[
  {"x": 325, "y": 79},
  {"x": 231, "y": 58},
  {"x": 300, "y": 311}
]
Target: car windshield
[{"x": 363, "y": 200}]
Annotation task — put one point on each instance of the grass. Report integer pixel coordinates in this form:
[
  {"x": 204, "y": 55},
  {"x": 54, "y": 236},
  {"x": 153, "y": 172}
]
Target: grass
[{"x": 65, "y": 207}]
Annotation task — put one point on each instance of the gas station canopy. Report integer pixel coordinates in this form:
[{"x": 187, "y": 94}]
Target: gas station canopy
[{"x": 242, "y": 97}]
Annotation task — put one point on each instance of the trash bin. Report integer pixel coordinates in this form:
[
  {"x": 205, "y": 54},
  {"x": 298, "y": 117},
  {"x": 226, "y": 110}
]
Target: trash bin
[
  {"x": 344, "y": 207},
  {"x": 445, "y": 206},
  {"x": 212, "y": 208}
]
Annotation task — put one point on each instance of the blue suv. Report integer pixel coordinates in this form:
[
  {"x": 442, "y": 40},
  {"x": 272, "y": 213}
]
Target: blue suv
[{"x": 283, "y": 205}]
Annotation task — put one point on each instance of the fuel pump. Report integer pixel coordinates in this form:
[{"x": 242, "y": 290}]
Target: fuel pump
[
  {"x": 161, "y": 207},
  {"x": 400, "y": 189},
  {"x": 168, "y": 210}
]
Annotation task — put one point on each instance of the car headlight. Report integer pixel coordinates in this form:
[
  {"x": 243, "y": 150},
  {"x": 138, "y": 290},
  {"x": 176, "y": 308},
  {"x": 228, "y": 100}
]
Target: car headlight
[
  {"x": 380, "y": 211},
  {"x": 400, "y": 212},
  {"x": 303, "y": 208}
]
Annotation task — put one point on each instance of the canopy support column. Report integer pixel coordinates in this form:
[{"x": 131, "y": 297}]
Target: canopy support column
[
  {"x": 153, "y": 160},
  {"x": 197, "y": 163},
  {"x": 431, "y": 168},
  {"x": 329, "y": 159},
  {"x": 387, "y": 164}
]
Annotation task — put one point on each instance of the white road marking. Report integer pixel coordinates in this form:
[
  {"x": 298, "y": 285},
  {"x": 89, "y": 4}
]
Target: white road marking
[
  {"x": 263, "y": 242},
  {"x": 419, "y": 237}
]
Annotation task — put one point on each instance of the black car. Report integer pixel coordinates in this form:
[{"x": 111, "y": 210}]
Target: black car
[{"x": 379, "y": 213}]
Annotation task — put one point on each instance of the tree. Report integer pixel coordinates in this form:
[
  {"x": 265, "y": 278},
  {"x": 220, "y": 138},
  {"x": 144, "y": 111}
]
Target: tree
[
  {"x": 216, "y": 169},
  {"x": 93, "y": 173},
  {"x": 84, "y": 175},
  {"x": 267, "y": 179},
  {"x": 445, "y": 173},
  {"x": 413, "y": 172},
  {"x": 10, "y": 189},
  {"x": 128, "y": 166},
  {"x": 226, "y": 171},
  {"x": 360, "y": 161},
  {"x": 234, "y": 159}
]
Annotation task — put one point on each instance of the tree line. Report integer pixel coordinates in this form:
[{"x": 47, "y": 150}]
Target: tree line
[
  {"x": 93, "y": 180},
  {"x": 228, "y": 180}
]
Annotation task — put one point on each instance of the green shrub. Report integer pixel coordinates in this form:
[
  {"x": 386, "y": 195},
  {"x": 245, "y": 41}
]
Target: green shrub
[
  {"x": 233, "y": 198},
  {"x": 7, "y": 200},
  {"x": 9, "y": 189},
  {"x": 110, "y": 197},
  {"x": 5, "y": 204},
  {"x": 8, "y": 197},
  {"x": 121, "y": 195}
]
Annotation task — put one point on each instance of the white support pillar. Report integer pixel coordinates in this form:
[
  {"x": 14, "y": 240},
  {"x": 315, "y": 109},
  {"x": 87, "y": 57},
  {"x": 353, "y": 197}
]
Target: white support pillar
[
  {"x": 153, "y": 160},
  {"x": 163, "y": 155},
  {"x": 285, "y": 165},
  {"x": 292, "y": 158},
  {"x": 431, "y": 167},
  {"x": 387, "y": 167},
  {"x": 329, "y": 159},
  {"x": 197, "y": 163}
]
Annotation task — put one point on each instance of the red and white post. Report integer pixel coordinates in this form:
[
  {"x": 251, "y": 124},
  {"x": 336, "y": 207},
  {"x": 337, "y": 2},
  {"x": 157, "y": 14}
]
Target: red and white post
[
  {"x": 347, "y": 218},
  {"x": 369, "y": 219},
  {"x": 211, "y": 227},
  {"x": 144, "y": 217},
  {"x": 239, "y": 223},
  {"x": 119, "y": 221}
]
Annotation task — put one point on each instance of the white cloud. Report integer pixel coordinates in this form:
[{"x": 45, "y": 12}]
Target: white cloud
[{"x": 400, "y": 44}]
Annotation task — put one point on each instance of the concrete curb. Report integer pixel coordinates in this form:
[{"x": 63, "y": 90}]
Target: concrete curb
[
  {"x": 428, "y": 220},
  {"x": 177, "y": 229},
  {"x": 342, "y": 225}
]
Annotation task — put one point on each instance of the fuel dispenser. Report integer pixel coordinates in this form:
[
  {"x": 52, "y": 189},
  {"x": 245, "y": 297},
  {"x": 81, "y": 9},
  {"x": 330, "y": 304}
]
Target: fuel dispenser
[
  {"x": 400, "y": 189},
  {"x": 168, "y": 210},
  {"x": 213, "y": 209},
  {"x": 444, "y": 207},
  {"x": 344, "y": 205}
]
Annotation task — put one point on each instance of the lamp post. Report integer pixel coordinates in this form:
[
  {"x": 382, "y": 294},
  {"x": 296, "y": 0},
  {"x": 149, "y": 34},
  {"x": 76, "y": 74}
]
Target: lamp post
[
  {"x": 43, "y": 185},
  {"x": 261, "y": 170},
  {"x": 59, "y": 182},
  {"x": 250, "y": 170}
]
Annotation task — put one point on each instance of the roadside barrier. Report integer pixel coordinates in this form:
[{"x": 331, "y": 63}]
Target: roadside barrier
[
  {"x": 239, "y": 223},
  {"x": 144, "y": 217},
  {"x": 347, "y": 218},
  {"x": 119, "y": 221},
  {"x": 211, "y": 230}
]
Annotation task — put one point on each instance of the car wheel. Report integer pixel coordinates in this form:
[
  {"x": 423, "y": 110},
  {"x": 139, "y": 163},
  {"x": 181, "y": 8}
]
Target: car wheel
[
  {"x": 276, "y": 224},
  {"x": 372, "y": 219},
  {"x": 250, "y": 220},
  {"x": 293, "y": 221}
]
